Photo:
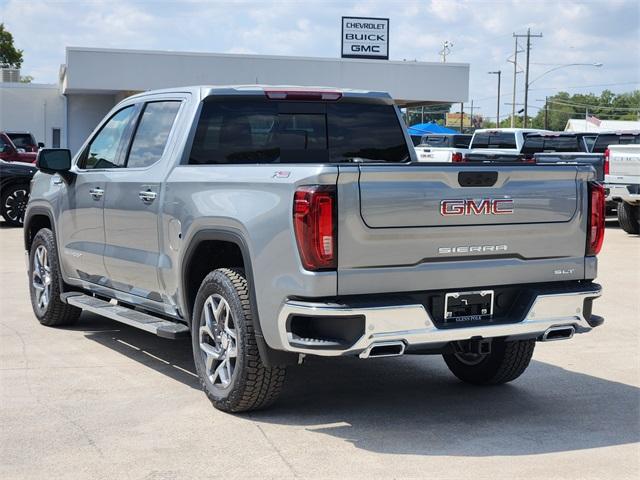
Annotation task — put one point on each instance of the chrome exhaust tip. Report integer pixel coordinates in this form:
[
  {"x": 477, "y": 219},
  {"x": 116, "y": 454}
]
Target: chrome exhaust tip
[
  {"x": 384, "y": 349},
  {"x": 558, "y": 333}
]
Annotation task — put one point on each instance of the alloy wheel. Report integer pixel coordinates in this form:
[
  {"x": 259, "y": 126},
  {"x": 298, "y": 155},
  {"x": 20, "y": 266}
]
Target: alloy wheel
[
  {"x": 41, "y": 277},
  {"x": 218, "y": 341},
  {"x": 15, "y": 205}
]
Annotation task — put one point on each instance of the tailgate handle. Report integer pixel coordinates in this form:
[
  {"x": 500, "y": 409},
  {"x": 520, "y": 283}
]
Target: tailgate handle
[{"x": 477, "y": 179}]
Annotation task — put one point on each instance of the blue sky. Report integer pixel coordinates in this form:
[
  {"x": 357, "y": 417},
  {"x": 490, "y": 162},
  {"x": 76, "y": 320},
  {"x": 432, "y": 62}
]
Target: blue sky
[{"x": 574, "y": 32}]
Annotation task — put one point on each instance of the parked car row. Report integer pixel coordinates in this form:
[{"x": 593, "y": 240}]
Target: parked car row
[{"x": 516, "y": 145}]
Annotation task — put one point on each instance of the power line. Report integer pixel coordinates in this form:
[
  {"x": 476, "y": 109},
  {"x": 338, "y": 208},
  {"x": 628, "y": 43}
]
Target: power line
[
  {"x": 585, "y": 105},
  {"x": 587, "y": 86}
]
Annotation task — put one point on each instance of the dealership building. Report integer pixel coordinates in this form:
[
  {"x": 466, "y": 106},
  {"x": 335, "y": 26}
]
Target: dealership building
[{"x": 93, "y": 80}]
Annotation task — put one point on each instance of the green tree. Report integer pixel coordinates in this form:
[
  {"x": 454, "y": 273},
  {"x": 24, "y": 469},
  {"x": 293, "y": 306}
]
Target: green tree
[
  {"x": 606, "y": 106},
  {"x": 9, "y": 55}
]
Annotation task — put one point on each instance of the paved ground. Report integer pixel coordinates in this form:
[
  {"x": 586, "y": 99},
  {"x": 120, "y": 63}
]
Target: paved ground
[{"x": 102, "y": 400}]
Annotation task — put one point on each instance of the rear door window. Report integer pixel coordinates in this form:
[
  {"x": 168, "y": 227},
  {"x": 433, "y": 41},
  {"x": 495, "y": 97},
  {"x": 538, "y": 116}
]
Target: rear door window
[
  {"x": 494, "y": 140},
  {"x": 254, "y": 131},
  {"x": 152, "y": 133}
]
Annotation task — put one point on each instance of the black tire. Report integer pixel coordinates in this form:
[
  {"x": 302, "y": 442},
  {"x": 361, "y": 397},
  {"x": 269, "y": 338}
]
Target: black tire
[
  {"x": 53, "y": 312},
  {"x": 506, "y": 362},
  {"x": 13, "y": 203},
  {"x": 251, "y": 385},
  {"x": 628, "y": 217}
]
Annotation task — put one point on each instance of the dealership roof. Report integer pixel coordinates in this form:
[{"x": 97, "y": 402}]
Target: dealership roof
[
  {"x": 582, "y": 125},
  {"x": 113, "y": 71}
]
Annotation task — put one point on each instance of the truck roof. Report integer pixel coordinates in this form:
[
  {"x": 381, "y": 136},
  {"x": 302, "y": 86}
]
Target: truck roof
[
  {"x": 512, "y": 130},
  {"x": 203, "y": 91}
]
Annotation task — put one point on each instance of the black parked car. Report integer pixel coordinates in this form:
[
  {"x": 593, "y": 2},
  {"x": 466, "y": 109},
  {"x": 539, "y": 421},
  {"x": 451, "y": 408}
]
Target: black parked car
[{"x": 15, "y": 178}]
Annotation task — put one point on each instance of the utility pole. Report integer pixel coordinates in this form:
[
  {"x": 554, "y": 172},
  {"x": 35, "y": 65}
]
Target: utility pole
[
  {"x": 526, "y": 73},
  {"x": 499, "y": 73},
  {"x": 515, "y": 81},
  {"x": 471, "y": 113},
  {"x": 461, "y": 117},
  {"x": 546, "y": 113}
]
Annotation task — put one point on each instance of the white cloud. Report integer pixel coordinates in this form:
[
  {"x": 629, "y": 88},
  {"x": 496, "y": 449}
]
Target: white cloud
[{"x": 574, "y": 32}]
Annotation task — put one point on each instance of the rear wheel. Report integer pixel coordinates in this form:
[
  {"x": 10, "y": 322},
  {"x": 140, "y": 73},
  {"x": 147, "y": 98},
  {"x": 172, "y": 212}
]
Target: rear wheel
[
  {"x": 506, "y": 362},
  {"x": 628, "y": 217},
  {"x": 224, "y": 346},
  {"x": 13, "y": 204},
  {"x": 45, "y": 283}
]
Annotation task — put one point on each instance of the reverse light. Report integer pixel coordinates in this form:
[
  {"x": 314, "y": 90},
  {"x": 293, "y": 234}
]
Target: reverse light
[
  {"x": 595, "y": 219},
  {"x": 302, "y": 95},
  {"x": 314, "y": 221},
  {"x": 607, "y": 154}
]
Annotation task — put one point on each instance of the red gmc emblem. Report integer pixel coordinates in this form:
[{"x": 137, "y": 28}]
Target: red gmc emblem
[{"x": 485, "y": 206}]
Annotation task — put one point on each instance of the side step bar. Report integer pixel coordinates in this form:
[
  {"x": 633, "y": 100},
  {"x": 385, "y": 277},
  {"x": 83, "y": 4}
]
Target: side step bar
[{"x": 158, "y": 326}]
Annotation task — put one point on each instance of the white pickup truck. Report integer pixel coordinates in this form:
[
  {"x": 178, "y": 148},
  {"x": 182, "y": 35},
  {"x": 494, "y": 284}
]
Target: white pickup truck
[
  {"x": 498, "y": 144},
  {"x": 443, "y": 147},
  {"x": 622, "y": 179}
]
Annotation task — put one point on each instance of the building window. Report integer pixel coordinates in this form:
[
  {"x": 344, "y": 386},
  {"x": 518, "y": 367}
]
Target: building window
[{"x": 55, "y": 138}]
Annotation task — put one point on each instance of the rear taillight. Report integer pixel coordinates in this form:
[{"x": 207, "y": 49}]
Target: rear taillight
[
  {"x": 595, "y": 222},
  {"x": 303, "y": 95},
  {"x": 314, "y": 220},
  {"x": 456, "y": 157},
  {"x": 528, "y": 159},
  {"x": 607, "y": 153}
]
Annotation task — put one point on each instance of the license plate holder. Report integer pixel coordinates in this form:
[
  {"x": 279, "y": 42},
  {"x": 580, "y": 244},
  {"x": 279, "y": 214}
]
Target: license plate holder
[{"x": 468, "y": 306}]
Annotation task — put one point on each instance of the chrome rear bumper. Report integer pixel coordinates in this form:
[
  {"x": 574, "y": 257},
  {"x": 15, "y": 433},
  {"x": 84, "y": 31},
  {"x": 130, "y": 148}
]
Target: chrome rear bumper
[{"x": 412, "y": 324}]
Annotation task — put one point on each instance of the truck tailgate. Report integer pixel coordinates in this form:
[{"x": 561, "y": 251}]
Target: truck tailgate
[
  {"x": 421, "y": 227},
  {"x": 624, "y": 161},
  {"x": 596, "y": 160}
]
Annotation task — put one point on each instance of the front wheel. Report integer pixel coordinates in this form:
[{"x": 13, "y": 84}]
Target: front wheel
[
  {"x": 506, "y": 362},
  {"x": 13, "y": 204},
  {"x": 45, "y": 283},
  {"x": 225, "y": 351}
]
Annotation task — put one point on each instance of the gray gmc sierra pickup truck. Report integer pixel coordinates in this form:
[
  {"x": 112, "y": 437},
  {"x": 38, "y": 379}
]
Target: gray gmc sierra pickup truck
[{"x": 270, "y": 223}]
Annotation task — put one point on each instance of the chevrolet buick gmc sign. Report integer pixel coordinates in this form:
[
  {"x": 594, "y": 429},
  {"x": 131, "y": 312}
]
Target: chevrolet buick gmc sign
[{"x": 364, "y": 37}]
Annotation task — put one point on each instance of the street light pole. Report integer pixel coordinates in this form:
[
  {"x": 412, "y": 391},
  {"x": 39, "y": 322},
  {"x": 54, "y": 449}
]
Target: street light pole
[{"x": 499, "y": 73}]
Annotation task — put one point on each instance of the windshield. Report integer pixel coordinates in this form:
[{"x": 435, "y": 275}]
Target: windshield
[
  {"x": 494, "y": 140},
  {"x": 266, "y": 131},
  {"x": 561, "y": 143},
  {"x": 22, "y": 140}
]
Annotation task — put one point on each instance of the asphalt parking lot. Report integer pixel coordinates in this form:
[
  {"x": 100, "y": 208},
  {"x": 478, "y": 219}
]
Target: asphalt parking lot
[{"x": 103, "y": 400}]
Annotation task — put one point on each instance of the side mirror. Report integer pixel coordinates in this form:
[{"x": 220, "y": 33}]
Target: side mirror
[
  {"x": 55, "y": 160},
  {"x": 40, "y": 145}
]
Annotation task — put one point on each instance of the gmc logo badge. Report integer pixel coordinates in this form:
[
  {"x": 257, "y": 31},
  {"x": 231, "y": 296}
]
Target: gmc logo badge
[{"x": 485, "y": 206}]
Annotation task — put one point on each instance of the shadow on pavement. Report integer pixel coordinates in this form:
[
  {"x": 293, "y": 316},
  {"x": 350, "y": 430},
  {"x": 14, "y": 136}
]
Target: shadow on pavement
[{"x": 413, "y": 405}]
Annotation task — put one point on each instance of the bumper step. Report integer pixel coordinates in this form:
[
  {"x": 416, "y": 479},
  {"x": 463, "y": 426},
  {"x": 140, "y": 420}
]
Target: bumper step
[{"x": 144, "y": 321}]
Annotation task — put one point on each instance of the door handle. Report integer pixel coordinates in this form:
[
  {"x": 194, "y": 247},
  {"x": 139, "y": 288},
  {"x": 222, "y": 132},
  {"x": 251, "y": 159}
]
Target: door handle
[
  {"x": 147, "y": 196},
  {"x": 96, "y": 193}
]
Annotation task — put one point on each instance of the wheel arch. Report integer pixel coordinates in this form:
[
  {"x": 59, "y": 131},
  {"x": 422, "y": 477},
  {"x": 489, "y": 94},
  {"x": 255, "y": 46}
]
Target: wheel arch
[
  {"x": 36, "y": 218},
  {"x": 190, "y": 285}
]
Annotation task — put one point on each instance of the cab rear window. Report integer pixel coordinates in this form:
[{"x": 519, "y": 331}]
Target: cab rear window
[
  {"x": 494, "y": 140},
  {"x": 541, "y": 144},
  {"x": 603, "y": 141},
  {"x": 264, "y": 131}
]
